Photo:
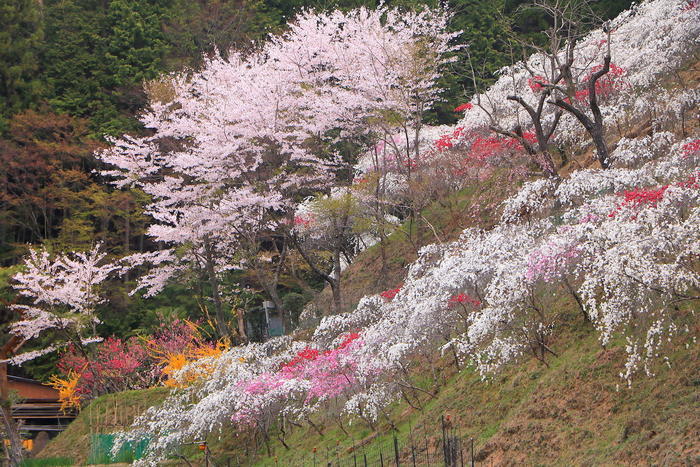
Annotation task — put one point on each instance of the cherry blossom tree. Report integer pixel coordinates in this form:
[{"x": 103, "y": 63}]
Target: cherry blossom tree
[
  {"x": 233, "y": 144},
  {"x": 61, "y": 293}
]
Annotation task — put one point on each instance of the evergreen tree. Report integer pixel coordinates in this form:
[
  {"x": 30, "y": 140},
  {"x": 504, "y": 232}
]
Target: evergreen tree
[{"x": 21, "y": 33}]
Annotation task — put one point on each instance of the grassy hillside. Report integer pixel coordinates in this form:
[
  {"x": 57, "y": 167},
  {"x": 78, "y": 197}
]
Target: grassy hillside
[{"x": 574, "y": 410}]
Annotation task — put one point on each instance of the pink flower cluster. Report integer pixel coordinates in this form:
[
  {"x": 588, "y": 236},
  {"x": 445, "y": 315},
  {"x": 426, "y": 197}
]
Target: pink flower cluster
[
  {"x": 328, "y": 374},
  {"x": 549, "y": 262}
]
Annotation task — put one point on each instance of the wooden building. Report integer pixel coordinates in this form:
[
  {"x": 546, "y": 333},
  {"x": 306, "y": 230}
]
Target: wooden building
[{"x": 38, "y": 411}]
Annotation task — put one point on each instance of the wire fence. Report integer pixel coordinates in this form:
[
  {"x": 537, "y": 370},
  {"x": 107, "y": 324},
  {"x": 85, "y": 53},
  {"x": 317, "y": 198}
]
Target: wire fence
[{"x": 440, "y": 443}]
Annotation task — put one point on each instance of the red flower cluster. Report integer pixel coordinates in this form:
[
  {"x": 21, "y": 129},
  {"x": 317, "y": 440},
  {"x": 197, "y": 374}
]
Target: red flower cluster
[
  {"x": 134, "y": 363},
  {"x": 389, "y": 295},
  {"x": 641, "y": 197},
  {"x": 303, "y": 221},
  {"x": 348, "y": 339},
  {"x": 693, "y": 146},
  {"x": 464, "y": 107},
  {"x": 691, "y": 182},
  {"x": 536, "y": 83},
  {"x": 530, "y": 137},
  {"x": 411, "y": 164},
  {"x": 307, "y": 354},
  {"x": 484, "y": 148},
  {"x": 605, "y": 86},
  {"x": 310, "y": 354},
  {"x": 651, "y": 197},
  {"x": 464, "y": 298},
  {"x": 690, "y": 5},
  {"x": 448, "y": 141}
]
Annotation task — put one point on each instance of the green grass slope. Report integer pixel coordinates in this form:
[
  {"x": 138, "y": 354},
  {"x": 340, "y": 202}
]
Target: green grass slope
[{"x": 106, "y": 414}]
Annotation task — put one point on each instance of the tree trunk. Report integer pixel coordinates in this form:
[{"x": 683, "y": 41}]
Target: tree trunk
[
  {"x": 240, "y": 314},
  {"x": 10, "y": 426},
  {"x": 221, "y": 324},
  {"x": 335, "y": 284}
]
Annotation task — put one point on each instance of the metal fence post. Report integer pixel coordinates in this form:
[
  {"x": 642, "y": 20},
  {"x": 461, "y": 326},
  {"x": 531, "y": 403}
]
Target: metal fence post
[
  {"x": 472, "y": 443},
  {"x": 396, "y": 450}
]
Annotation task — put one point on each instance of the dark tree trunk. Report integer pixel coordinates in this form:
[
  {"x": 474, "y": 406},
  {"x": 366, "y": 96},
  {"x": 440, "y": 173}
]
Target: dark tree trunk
[
  {"x": 220, "y": 318},
  {"x": 10, "y": 427}
]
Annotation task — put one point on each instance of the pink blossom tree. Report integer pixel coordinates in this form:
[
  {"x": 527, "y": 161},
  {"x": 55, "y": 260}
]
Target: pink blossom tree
[
  {"x": 62, "y": 293},
  {"x": 232, "y": 146}
]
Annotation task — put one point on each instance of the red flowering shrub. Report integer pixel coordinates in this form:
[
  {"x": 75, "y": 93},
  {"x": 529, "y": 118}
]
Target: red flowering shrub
[
  {"x": 691, "y": 147},
  {"x": 449, "y": 140},
  {"x": 536, "y": 83},
  {"x": 116, "y": 365},
  {"x": 693, "y": 181},
  {"x": 111, "y": 366},
  {"x": 640, "y": 197},
  {"x": 307, "y": 354},
  {"x": 607, "y": 85},
  {"x": 303, "y": 221},
  {"x": 690, "y": 5},
  {"x": 349, "y": 339}
]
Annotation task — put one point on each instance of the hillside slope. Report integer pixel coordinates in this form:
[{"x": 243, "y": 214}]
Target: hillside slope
[
  {"x": 573, "y": 412},
  {"x": 576, "y": 411}
]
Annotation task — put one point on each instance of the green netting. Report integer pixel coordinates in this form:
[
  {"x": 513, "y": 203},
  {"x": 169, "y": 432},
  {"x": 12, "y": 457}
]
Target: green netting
[{"x": 101, "y": 450}]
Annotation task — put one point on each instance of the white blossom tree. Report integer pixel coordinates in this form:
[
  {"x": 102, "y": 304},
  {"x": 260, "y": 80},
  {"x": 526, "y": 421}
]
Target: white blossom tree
[{"x": 61, "y": 293}]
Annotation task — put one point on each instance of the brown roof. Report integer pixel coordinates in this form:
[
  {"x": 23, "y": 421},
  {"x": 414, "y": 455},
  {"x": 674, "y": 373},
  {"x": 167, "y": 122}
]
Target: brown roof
[{"x": 29, "y": 389}]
